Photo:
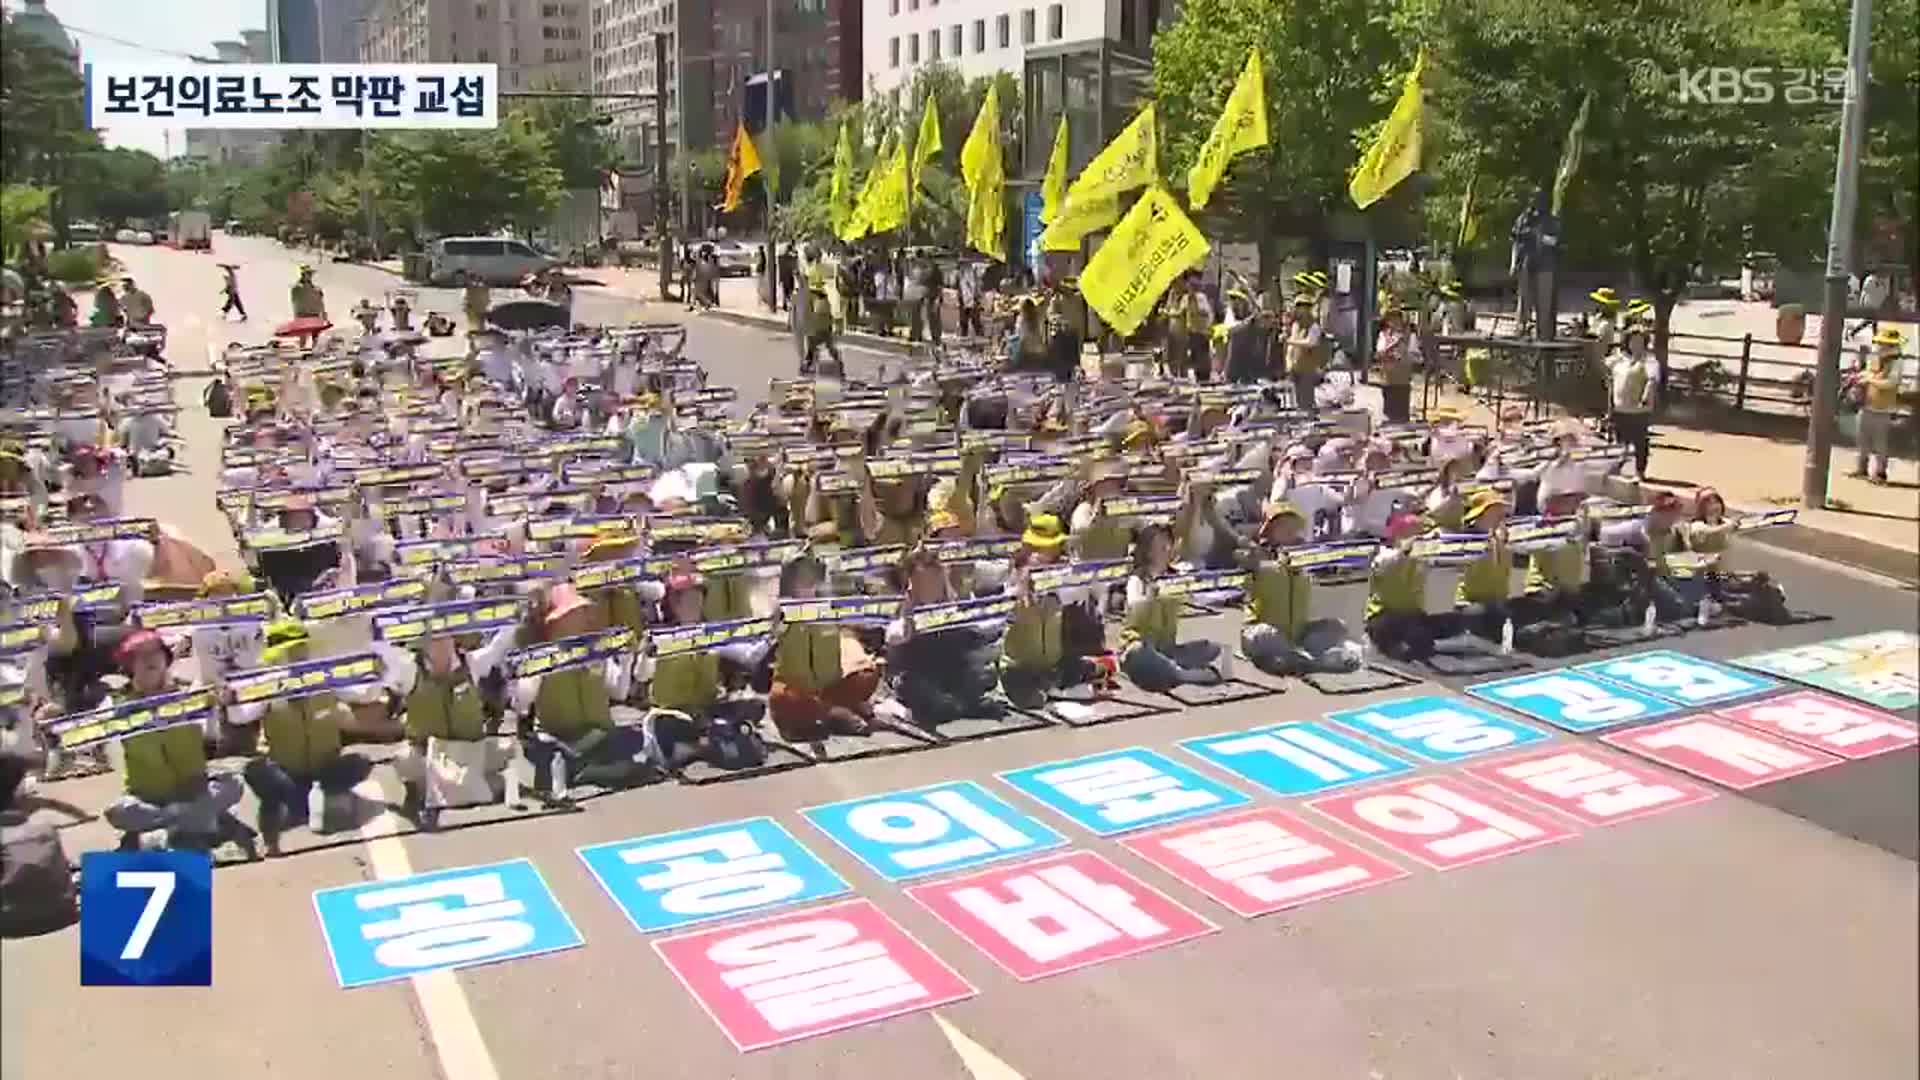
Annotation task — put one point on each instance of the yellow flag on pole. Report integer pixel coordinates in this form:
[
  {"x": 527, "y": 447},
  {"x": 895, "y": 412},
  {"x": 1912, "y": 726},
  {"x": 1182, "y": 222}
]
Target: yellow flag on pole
[
  {"x": 1469, "y": 230},
  {"x": 889, "y": 208},
  {"x": 1154, "y": 244},
  {"x": 1131, "y": 160},
  {"x": 1570, "y": 156},
  {"x": 1395, "y": 152},
  {"x": 840, "y": 194},
  {"x": 1053, "y": 189},
  {"x": 742, "y": 161},
  {"x": 984, "y": 170},
  {"x": 926, "y": 144},
  {"x": 861, "y": 223},
  {"x": 1242, "y": 126}
]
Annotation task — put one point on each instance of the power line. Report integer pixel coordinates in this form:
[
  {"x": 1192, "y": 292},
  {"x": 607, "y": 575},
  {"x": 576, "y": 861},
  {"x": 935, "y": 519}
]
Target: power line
[{"x": 70, "y": 28}]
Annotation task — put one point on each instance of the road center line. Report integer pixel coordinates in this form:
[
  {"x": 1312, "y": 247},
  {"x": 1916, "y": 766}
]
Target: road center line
[{"x": 451, "y": 1027}]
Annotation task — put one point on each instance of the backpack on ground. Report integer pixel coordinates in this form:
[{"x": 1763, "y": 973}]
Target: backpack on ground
[
  {"x": 219, "y": 399},
  {"x": 37, "y": 892},
  {"x": 735, "y": 745}
]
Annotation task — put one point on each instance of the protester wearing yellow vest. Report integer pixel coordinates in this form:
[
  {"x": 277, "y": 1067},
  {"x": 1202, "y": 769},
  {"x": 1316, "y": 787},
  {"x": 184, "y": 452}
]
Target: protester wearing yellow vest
[
  {"x": 439, "y": 688},
  {"x": 168, "y": 785},
  {"x": 1879, "y": 390},
  {"x": 1485, "y": 585},
  {"x": 1398, "y": 623},
  {"x": 572, "y": 709},
  {"x": 1151, "y": 652},
  {"x": 814, "y": 695},
  {"x": 1281, "y": 637},
  {"x": 1305, "y": 338},
  {"x": 1039, "y": 658},
  {"x": 303, "y": 745}
]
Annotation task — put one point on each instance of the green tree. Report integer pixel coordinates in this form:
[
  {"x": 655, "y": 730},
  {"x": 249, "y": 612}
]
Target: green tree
[
  {"x": 1664, "y": 184},
  {"x": 451, "y": 182},
  {"x": 1332, "y": 69},
  {"x": 117, "y": 185},
  {"x": 42, "y": 128},
  {"x": 578, "y": 143},
  {"x": 23, "y": 209}
]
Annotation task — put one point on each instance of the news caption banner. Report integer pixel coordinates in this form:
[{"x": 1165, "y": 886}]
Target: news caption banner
[{"x": 360, "y": 96}]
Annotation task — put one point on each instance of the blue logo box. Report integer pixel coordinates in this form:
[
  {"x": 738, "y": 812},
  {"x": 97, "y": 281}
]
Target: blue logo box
[{"x": 146, "y": 918}]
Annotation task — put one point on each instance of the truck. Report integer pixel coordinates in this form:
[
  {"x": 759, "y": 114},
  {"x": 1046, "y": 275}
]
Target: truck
[{"x": 190, "y": 230}]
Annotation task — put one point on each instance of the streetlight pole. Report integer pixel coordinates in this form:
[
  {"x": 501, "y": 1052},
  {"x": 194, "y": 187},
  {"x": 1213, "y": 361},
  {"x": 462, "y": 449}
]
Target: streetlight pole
[
  {"x": 1833, "y": 312},
  {"x": 769, "y": 177}
]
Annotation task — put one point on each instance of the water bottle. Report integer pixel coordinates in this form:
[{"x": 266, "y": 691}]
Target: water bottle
[
  {"x": 1506, "y": 638},
  {"x": 512, "y": 777},
  {"x": 316, "y": 808},
  {"x": 1705, "y": 614},
  {"x": 559, "y": 776},
  {"x": 1647, "y": 624}
]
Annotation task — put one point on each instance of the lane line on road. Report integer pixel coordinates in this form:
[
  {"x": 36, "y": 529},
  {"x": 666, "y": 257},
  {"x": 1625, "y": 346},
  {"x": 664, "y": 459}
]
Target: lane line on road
[
  {"x": 451, "y": 1028},
  {"x": 980, "y": 1062}
]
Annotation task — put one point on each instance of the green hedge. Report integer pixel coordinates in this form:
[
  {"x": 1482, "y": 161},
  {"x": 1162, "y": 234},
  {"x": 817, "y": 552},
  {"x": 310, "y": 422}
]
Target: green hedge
[{"x": 77, "y": 266}]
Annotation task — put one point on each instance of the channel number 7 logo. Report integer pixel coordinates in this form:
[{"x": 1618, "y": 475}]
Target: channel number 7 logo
[{"x": 146, "y": 919}]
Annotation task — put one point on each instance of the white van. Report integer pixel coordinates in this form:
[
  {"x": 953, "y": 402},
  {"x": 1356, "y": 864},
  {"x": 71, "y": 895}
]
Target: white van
[{"x": 496, "y": 260}]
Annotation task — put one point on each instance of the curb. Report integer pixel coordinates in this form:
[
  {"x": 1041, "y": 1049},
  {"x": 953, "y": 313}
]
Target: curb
[
  {"x": 1890, "y": 562},
  {"x": 872, "y": 342}
]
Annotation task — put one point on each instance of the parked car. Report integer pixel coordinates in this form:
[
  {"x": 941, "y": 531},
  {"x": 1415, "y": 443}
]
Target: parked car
[
  {"x": 496, "y": 260},
  {"x": 126, "y": 236},
  {"x": 233, "y": 227},
  {"x": 143, "y": 237},
  {"x": 735, "y": 258},
  {"x": 83, "y": 232}
]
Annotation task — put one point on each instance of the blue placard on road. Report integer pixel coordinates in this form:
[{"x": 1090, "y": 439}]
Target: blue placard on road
[
  {"x": 676, "y": 879},
  {"x": 1122, "y": 790},
  {"x": 1573, "y": 700},
  {"x": 1679, "y": 678},
  {"x": 931, "y": 830},
  {"x": 1296, "y": 759},
  {"x": 146, "y": 918},
  {"x": 1438, "y": 728},
  {"x": 379, "y": 931}
]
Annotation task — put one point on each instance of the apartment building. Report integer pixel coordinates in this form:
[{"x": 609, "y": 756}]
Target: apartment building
[
  {"x": 621, "y": 61},
  {"x": 537, "y": 43},
  {"x": 981, "y": 37}
]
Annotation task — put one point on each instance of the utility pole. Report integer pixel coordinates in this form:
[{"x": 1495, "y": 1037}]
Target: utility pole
[
  {"x": 769, "y": 177},
  {"x": 660, "y": 184},
  {"x": 1833, "y": 311}
]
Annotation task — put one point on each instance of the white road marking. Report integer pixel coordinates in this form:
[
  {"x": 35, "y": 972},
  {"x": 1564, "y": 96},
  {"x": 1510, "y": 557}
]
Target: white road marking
[
  {"x": 980, "y": 1062},
  {"x": 451, "y": 1027}
]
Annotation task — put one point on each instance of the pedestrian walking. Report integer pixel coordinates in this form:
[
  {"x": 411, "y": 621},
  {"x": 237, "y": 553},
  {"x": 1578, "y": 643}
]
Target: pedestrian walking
[
  {"x": 788, "y": 264},
  {"x": 230, "y": 291}
]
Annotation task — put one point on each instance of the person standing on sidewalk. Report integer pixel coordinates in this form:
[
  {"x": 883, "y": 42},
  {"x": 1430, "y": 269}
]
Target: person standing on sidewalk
[
  {"x": 1396, "y": 353},
  {"x": 787, "y": 264},
  {"x": 1879, "y": 404},
  {"x": 1631, "y": 400},
  {"x": 966, "y": 287},
  {"x": 1304, "y": 338}
]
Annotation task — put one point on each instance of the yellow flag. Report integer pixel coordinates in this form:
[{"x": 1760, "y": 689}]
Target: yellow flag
[
  {"x": 1131, "y": 160},
  {"x": 889, "y": 208},
  {"x": 1469, "y": 230},
  {"x": 1053, "y": 188},
  {"x": 742, "y": 161},
  {"x": 861, "y": 223},
  {"x": 1395, "y": 152},
  {"x": 840, "y": 194},
  {"x": 1242, "y": 126},
  {"x": 984, "y": 170},
  {"x": 1154, "y": 244},
  {"x": 926, "y": 145}
]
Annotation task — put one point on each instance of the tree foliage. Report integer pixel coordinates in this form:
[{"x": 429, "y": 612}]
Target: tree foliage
[{"x": 451, "y": 182}]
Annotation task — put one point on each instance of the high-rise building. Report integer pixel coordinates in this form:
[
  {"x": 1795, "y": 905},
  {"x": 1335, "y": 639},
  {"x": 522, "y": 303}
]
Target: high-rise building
[
  {"x": 621, "y": 50},
  {"x": 537, "y": 43},
  {"x": 988, "y": 36}
]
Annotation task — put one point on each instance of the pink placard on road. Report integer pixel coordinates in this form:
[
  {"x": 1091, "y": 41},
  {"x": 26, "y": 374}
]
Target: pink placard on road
[
  {"x": 1720, "y": 750},
  {"x": 1825, "y": 722},
  {"x": 1051, "y": 915},
  {"x": 1441, "y": 822},
  {"x": 1590, "y": 785},
  {"x": 809, "y": 972},
  {"x": 1261, "y": 861}
]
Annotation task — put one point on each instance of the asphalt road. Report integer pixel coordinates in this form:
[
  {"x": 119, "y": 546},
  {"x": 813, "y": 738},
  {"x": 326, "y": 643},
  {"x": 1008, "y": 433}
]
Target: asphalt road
[{"x": 1770, "y": 934}]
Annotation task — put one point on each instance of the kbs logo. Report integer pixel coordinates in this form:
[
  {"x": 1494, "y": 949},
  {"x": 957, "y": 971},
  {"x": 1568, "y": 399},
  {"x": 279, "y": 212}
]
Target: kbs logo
[{"x": 1761, "y": 86}]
